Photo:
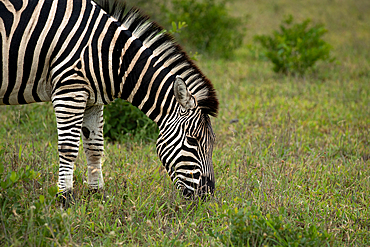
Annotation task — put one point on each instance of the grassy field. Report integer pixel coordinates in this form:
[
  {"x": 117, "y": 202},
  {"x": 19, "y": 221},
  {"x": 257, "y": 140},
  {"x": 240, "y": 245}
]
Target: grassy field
[{"x": 291, "y": 160}]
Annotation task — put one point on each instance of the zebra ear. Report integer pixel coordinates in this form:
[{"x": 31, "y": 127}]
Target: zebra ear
[{"x": 182, "y": 94}]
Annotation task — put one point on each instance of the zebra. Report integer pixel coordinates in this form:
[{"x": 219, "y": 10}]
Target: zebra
[{"x": 82, "y": 55}]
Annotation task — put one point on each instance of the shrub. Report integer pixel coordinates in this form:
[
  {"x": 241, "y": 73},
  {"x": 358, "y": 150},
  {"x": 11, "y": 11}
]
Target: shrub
[
  {"x": 295, "y": 48},
  {"x": 210, "y": 28},
  {"x": 251, "y": 228},
  {"x": 123, "y": 120},
  {"x": 152, "y": 8}
]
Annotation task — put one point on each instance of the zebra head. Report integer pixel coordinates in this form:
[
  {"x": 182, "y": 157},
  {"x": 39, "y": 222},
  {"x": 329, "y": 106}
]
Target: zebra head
[{"x": 185, "y": 145}]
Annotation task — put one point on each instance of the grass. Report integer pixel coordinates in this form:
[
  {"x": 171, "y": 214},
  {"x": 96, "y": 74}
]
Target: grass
[{"x": 292, "y": 156}]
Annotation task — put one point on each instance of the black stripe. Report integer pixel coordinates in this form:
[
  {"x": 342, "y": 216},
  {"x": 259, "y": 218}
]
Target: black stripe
[
  {"x": 161, "y": 97},
  {"x": 189, "y": 184},
  {"x": 95, "y": 149},
  {"x": 195, "y": 175},
  {"x": 95, "y": 55},
  {"x": 17, "y": 4},
  {"x": 122, "y": 39},
  {"x": 66, "y": 112},
  {"x": 141, "y": 92},
  {"x": 71, "y": 126},
  {"x": 70, "y": 90},
  {"x": 69, "y": 144},
  {"x": 65, "y": 99},
  {"x": 68, "y": 135},
  {"x": 65, "y": 150},
  {"x": 96, "y": 144},
  {"x": 184, "y": 158},
  {"x": 130, "y": 82},
  {"x": 73, "y": 121},
  {"x": 105, "y": 58},
  {"x": 88, "y": 73}
]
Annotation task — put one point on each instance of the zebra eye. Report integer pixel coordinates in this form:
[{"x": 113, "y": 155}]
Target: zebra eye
[{"x": 192, "y": 141}]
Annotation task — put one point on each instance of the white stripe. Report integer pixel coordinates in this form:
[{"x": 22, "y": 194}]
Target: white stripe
[
  {"x": 162, "y": 105},
  {"x": 142, "y": 28},
  {"x": 192, "y": 180},
  {"x": 138, "y": 83},
  {"x": 157, "y": 94},
  {"x": 133, "y": 62},
  {"x": 100, "y": 43},
  {"x": 125, "y": 48},
  {"x": 110, "y": 60},
  {"x": 150, "y": 87}
]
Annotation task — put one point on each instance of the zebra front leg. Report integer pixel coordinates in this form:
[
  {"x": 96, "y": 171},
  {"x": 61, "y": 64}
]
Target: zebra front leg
[
  {"x": 93, "y": 142},
  {"x": 69, "y": 111}
]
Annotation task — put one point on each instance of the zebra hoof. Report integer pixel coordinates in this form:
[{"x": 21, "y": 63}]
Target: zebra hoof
[
  {"x": 99, "y": 194},
  {"x": 66, "y": 198}
]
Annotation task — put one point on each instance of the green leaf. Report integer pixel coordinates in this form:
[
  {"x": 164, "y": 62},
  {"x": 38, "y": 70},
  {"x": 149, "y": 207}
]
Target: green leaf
[
  {"x": 3, "y": 185},
  {"x": 42, "y": 199},
  {"x": 174, "y": 27},
  {"x": 13, "y": 176},
  {"x": 20, "y": 151},
  {"x": 53, "y": 190}
]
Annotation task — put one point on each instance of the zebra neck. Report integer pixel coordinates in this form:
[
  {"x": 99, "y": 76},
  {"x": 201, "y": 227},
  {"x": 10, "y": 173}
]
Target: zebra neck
[{"x": 145, "y": 81}]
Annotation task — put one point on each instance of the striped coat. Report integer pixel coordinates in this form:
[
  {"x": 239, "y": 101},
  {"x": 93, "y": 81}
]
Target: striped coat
[{"x": 80, "y": 57}]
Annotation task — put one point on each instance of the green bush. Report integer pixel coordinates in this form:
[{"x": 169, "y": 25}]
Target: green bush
[
  {"x": 123, "y": 120},
  {"x": 248, "y": 227},
  {"x": 295, "y": 48},
  {"x": 152, "y": 8},
  {"x": 210, "y": 28}
]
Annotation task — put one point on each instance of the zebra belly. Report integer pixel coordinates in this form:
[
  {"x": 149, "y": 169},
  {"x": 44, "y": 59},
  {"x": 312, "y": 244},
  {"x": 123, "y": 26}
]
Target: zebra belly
[{"x": 42, "y": 89}]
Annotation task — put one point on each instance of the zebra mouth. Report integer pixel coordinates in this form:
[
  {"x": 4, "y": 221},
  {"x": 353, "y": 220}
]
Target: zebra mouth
[
  {"x": 187, "y": 193},
  {"x": 205, "y": 189}
]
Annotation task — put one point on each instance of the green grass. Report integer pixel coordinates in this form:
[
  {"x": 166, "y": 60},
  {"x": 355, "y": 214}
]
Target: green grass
[{"x": 295, "y": 164}]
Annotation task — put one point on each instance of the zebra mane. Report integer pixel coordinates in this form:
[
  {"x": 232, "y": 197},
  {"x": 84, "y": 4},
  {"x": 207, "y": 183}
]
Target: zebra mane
[{"x": 169, "y": 52}]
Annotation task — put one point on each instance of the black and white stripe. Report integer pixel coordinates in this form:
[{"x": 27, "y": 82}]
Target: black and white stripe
[{"x": 78, "y": 56}]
